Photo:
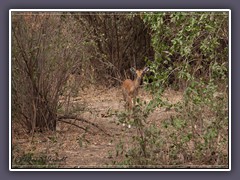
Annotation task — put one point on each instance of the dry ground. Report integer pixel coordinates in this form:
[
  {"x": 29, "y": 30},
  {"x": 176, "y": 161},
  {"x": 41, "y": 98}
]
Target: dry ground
[{"x": 95, "y": 148}]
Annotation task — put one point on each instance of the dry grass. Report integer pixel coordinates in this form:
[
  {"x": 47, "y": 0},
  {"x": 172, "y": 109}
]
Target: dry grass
[{"x": 93, "y": 149}]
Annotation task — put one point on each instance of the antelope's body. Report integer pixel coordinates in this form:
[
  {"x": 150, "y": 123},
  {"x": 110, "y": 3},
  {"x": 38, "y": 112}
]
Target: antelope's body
[{"x": 130, "y": 87}]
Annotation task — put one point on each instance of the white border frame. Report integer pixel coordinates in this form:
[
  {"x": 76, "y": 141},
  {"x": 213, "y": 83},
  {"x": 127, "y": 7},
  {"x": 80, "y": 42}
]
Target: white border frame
[{"x": 118, "y": 10}]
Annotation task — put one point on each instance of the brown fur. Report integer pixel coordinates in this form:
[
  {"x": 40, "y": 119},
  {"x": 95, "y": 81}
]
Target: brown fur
[{"x": 130, "y": 88}]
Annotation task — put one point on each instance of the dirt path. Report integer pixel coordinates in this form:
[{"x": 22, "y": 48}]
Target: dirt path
[{"x": 96, "y": 149}]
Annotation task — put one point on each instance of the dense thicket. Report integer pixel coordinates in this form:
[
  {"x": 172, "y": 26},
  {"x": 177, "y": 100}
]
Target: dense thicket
[
  {"x": 191, "y": 54},
  {"x": 189, "y": 44}
]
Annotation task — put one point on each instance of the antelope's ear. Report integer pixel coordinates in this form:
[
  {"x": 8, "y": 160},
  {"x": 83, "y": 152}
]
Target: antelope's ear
[
  {"x": 146, "y": 69},
  {"x": 133, "y": 70}
]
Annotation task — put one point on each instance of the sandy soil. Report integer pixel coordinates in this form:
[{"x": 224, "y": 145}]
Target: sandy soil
[{"x": 80, "y": 149}]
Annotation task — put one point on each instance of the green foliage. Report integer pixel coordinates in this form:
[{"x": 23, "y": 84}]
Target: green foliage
[
  {"x": 187, "y": 42},
  {"x": 191, "y": 53}
]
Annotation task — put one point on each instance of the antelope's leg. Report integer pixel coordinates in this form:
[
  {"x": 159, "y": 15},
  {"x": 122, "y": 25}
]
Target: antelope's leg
[
  {"x": 134, "y": 96},
  {"x": 124, "y": 93},
  {"x": 128, "y": 104}
]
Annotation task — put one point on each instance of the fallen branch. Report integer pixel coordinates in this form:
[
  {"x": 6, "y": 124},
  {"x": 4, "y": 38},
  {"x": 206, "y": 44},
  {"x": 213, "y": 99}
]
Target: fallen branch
[
  {"x": 85, "y": 129},
  {"x": 60, "y": 118}
]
